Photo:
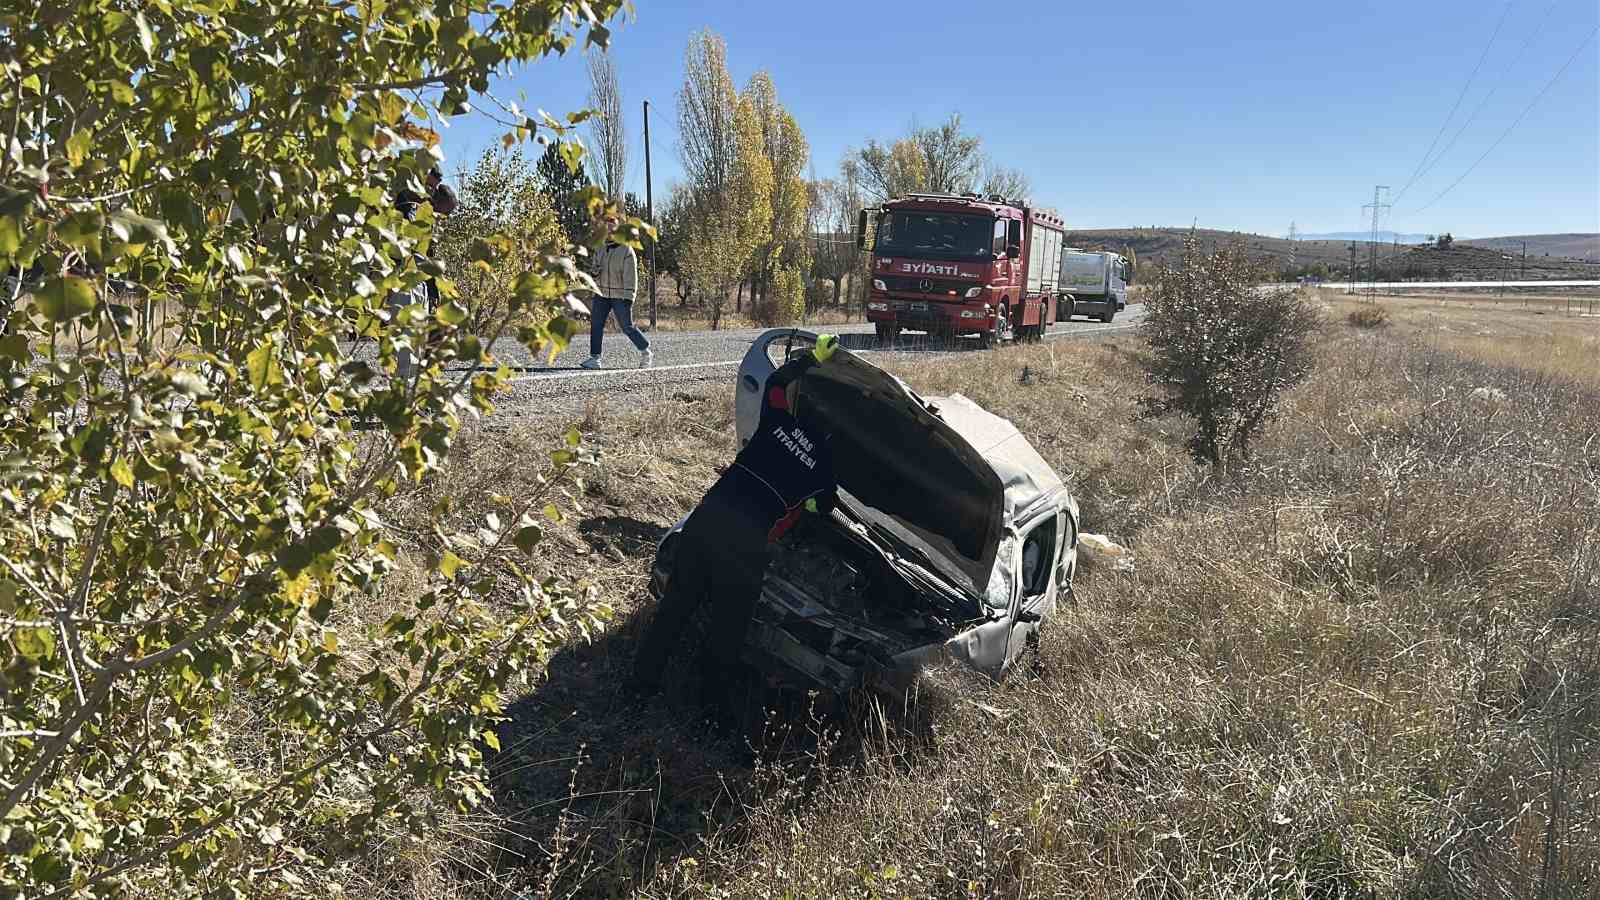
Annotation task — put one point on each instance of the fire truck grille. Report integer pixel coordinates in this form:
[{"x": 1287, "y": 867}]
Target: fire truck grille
[{"x": 932, "y": 286}]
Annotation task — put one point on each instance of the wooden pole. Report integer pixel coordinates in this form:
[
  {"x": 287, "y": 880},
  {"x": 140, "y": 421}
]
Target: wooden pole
[{"x": 650, "y": 214}]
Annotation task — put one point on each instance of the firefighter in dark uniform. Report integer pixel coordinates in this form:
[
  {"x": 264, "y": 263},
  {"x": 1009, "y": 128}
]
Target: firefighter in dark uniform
[{"x": 785, "y": 471}]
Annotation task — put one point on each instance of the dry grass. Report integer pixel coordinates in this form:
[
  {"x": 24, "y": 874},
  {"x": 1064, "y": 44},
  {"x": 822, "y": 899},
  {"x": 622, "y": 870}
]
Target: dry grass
[
  {"x": 1369, "y": 315},
  {"x": 1364, "y": 666}
]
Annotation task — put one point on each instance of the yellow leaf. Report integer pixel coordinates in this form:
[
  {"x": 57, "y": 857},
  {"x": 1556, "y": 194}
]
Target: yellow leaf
[{"x": 330, "y": 641}]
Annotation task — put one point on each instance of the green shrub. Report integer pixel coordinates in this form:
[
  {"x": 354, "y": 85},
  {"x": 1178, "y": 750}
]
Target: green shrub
[
  {"x": 1224, "y": 347},
  {"x": 189, "y": 502}
]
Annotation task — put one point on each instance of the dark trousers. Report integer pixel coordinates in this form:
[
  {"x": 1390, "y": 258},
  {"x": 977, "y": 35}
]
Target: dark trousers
[
  {"x": 600, "y": 308},
  {"x": 720, "y": 559}
]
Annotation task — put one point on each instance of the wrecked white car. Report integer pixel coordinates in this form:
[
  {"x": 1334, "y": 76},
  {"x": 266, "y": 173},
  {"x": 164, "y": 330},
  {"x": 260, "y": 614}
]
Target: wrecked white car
[{"x": 952, "y": 538}]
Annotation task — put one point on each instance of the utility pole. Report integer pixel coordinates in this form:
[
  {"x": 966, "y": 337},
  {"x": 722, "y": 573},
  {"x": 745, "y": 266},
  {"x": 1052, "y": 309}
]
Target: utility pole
[
  {"x": 1377, "y": 206},
  {"x": 1352, "y": 271},
  {"x": 650, "y": 213},
  {"x": 1524, "y": 276}
]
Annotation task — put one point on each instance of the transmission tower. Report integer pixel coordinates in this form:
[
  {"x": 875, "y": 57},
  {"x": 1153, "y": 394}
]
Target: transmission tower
[
  {"x": 1378, "y": 207},
  {"x": 1294, "y": 245}
]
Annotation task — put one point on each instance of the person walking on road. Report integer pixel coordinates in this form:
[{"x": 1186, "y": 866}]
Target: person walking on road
[
  {"x": 720, "y": 557},
  {"x": 618, "y": 283}
]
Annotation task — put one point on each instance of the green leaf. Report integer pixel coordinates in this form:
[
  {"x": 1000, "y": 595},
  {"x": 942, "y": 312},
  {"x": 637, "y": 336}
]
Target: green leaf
[
  {"x": 61, "y": 527},
  {"x": 261, "y": 366},
  {"x": 137, "y": 231},
  {"x": 528, "y": 538},
  {"x": 33, "y": 643},
  {"x": 451, "y": 314},
  {"x": 81, "y": 229},
  {"x": 78, "y": 147},
  {"x": 330, "y": 641},
  {"x": 66, "y": 298},
  {"x": 572, "y": 154},
  {"x": 551, "y": 513},
  {"x": 10, "y": 235},
  {"x": 574, "y": 437},
  {"x": 147, "y": 38},
  {"x": 493, "y": 740},
  {"x": 15, "y": 346},
  {"x": 190, "y": 385},
  {"x": 449, "y": 563},
  {"x": 121, "y": 472}
]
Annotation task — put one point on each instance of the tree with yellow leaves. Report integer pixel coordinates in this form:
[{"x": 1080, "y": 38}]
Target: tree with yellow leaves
[
  {"x": 782, "y": 256},
  {"x": 730, "y": 178}
]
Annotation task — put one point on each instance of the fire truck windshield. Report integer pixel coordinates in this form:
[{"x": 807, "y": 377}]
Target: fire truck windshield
[{"x": 922, "y": 235}]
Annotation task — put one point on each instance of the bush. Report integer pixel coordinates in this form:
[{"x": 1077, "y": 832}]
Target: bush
[
  {"x": 1224, "y": 347},
  {"x": 191, "y": 502},
  {"x": 1368, "y": 315}
]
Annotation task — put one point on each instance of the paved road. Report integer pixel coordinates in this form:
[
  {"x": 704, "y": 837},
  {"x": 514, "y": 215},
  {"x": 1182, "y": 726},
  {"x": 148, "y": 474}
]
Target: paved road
[
  {"x": 1407, "y": 285},
  {"x": 688, "y": 357}
]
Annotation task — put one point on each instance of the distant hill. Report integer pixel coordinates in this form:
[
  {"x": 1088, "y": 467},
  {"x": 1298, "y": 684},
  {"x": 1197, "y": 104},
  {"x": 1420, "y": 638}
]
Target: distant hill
[
  {"x": 1463, "y": 262},
  {"x": 1571, "y": 246},
  {"x": 1384, "y": 237}
]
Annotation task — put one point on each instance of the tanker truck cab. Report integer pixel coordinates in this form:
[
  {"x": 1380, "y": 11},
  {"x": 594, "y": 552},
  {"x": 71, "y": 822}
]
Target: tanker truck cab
[{"x": 953, "y": 265}]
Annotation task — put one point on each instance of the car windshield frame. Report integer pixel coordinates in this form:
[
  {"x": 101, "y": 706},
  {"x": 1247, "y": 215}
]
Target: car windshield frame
[{"x": 975, "y": 230}]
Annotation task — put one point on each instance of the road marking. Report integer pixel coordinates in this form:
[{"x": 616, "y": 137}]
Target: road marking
[{"x": 559, "y": 374}]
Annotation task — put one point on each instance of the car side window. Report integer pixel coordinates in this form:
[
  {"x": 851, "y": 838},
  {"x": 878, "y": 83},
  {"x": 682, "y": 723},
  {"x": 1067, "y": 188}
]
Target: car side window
[
  {"x": 999, "y": 236},
  {"x": 1038, "y": 554},
  {"x": 1069, "y": 530}
]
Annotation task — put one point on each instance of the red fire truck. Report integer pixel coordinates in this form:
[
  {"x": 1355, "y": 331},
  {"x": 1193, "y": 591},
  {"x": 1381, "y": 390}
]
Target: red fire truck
[{"x": 962, "y": 264}]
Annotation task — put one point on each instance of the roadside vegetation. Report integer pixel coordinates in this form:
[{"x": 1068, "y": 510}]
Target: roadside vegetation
[
  {"x": 1360, "y": 663},
  {"x": 284, "y": 617}
]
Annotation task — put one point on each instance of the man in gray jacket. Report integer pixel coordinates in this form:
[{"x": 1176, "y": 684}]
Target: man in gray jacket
[{"x": 618, "y": 281}]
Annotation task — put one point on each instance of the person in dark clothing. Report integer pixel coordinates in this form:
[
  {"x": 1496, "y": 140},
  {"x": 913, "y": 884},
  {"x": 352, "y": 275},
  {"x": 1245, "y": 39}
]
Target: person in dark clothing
[
  {"x": 407, "y": 201},
  {"x": 785, "y": 470}
]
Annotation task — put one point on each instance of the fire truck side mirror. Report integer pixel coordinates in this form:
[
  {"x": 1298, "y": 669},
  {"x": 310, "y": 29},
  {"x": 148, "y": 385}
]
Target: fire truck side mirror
[
  {"x": 862, "y": 221},
  {"x": 1013, "y": 251}
]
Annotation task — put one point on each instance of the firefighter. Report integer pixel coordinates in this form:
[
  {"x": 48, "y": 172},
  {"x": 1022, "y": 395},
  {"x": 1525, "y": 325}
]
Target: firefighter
[{"x": 784, "y": 471}]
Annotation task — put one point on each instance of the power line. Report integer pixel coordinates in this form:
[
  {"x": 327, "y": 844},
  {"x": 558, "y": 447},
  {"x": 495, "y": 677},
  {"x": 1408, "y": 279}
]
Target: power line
[
  {"x": 1504, "y": 14},
  {"x": 1485, "y": 101},
  {"x": 1518, "y": 121}
]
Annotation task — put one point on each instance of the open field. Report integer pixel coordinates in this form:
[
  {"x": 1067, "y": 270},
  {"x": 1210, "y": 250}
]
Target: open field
[
  {"x": 1363, "y": 666},
  {"x": 1463, "y": 261}
]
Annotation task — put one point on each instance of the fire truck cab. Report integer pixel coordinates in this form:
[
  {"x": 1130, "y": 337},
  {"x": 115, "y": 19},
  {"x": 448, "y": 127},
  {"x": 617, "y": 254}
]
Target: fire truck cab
[{"x": 953, "y": 265}]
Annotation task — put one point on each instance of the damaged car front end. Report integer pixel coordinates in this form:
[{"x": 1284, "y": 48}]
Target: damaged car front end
[{"x": 952, "y": 539}]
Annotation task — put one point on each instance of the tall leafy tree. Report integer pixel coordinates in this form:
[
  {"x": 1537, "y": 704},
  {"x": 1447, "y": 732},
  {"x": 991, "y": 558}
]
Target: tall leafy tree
[
  {"x": 886, "y": 172},
  {"x": 565, "y": 180},
  {"x": 193, "y": 464},
  {"x": 729, "y": 176},
  {"x": 952, "y": 157},
  {"x": 784, "y": 249}
]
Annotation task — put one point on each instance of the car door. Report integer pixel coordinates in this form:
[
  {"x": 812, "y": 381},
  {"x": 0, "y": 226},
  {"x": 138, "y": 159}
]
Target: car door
[
  {"x": 1035, "y": 566},
  {"x": 769, "y": 351}
]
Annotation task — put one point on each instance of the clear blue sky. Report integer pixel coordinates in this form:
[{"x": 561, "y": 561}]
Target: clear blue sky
[{"x": 1247, "y": 114}]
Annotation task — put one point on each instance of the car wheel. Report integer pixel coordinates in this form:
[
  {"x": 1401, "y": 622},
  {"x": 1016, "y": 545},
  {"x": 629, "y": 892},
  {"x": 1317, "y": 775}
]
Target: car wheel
[
  {"x": 1071, "y": 310},
  {"x": 1109, "y": 314},
  {"x": 884, "y": 332}
]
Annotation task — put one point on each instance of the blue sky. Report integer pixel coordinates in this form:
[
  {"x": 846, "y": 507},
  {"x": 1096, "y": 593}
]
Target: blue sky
[{"x": 1247, "y": 114}]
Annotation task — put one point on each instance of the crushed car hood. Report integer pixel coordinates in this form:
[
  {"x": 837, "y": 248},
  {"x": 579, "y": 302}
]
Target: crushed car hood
[{"x": 942, "y": 474}]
